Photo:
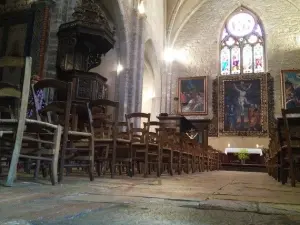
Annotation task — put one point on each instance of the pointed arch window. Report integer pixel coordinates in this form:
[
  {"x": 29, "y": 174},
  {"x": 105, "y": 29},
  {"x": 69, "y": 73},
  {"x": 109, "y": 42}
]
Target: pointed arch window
[{"x": 242, "y": 44}]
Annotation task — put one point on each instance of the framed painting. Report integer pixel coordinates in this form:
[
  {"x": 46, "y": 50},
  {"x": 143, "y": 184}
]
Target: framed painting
[
  {"x": 290, "y": 88},
  {"x": 243, "y": 105},
  {"x": 192, "y": 95}
]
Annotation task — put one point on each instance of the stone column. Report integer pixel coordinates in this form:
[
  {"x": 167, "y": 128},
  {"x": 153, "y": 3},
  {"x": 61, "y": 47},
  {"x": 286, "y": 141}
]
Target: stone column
[
  {"x": 122, "y": 86},
  {"x": 132, "y": 71},
  {"x": 163, "y": 100},
  {"x": 140, "y": 64},
  {"x": 168, "y": 88}
]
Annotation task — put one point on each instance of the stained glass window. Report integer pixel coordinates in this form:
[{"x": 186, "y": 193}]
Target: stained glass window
[
  {"x": 242, "y": 44},
  {"x": 235, "y": 60},
  {"x": 225, "y": 59},
  {"x": 247, "y": 59}
]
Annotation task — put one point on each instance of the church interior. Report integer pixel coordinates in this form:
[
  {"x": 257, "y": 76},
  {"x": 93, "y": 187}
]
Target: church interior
[{"x": 150, "y": 90}]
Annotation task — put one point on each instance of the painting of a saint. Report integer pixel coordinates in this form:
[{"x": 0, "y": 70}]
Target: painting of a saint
[
  {"x": 192, "y": 95},
  {"x": 290, "y": 86},
  {"x": 241, "y": 106}
]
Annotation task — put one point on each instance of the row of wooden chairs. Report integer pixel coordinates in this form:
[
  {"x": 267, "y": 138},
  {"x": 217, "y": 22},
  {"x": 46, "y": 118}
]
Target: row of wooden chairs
[
  {"x": 59, "y": 134},
  {"x": 153, "y": 147},
  {"x": 283, "y": 154}
]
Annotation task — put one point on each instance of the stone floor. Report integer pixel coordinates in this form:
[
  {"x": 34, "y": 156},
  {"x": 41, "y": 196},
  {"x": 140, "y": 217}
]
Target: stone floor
[{"x": 219, "y": 197}]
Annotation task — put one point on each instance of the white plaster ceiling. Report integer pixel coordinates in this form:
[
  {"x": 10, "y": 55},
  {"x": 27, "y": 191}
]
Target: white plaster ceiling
[{"x": 180, "y": 11}]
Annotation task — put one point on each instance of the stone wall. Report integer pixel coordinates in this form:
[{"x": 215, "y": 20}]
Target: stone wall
[{"x": 200, "y": 36}]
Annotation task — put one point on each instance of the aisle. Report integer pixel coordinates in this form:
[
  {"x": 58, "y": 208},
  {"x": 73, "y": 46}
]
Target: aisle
[{"x": 170, "y": 200}]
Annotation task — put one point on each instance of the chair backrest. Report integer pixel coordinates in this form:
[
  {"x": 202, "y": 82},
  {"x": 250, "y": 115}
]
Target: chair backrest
[
  {"x": 10, "y": 61},
  {"x": 57, "y": 110},
  {"x": 290, "y": 134},
  {"x": 104, "y": 125},
  {"x": 154, "y": 133},
  {"x": 138, "y": 134},
  {"x": 10, "y": 91},
  {"x": 19, "y": 62},
  {"x": 123, "y": 133},
  {"x": 10, "y": 96}
]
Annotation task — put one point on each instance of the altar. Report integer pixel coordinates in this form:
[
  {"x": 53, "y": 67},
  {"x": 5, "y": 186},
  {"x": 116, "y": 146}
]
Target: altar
[
  {"x": 249, "y": 150},
  {"x": 255, "y": 162}
]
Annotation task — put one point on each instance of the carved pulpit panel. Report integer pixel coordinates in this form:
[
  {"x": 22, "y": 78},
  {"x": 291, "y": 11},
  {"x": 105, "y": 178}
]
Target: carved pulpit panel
[{"x": 82, "y": 44}]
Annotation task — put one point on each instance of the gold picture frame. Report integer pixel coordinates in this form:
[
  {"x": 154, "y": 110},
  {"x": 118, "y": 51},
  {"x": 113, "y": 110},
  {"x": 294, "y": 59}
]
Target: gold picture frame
[
  {"x": 243, "y": 105},
  {"x": 192, "y": 96},
  {"x": 290, "y": 86}
]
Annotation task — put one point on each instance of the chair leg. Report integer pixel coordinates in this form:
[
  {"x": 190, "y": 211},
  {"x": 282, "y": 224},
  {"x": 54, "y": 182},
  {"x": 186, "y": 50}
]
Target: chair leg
[
  {"x": 98, "y": 168},
  {"x": 293, "y": 172},
  {"x": 159, "y": 161},
  {"x": 146, "y": 165},
  {"x": 114, "y": 155},
  {"x": 62, "y": 156},
  {"x": 54, "y": 163},
  {"x": 91, "y": 158},
  {"x": 38, "y": 162}
]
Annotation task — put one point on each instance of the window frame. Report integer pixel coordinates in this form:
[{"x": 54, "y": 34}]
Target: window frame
[{"x": 241, "y": 46}]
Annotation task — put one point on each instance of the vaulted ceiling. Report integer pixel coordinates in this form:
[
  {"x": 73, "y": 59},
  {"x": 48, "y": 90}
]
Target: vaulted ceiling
[{"x": 180, "y": 11}]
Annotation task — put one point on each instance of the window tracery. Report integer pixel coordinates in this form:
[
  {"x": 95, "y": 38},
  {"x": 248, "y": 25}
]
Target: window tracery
[{"x": 242, "y": 45}]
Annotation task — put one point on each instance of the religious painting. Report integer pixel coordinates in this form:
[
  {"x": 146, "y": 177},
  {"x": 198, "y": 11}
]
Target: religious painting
[
  {"x": 290, "y": 88},
  {"x": 192, "y": 94},
  {"x": 243, "y": 109}
]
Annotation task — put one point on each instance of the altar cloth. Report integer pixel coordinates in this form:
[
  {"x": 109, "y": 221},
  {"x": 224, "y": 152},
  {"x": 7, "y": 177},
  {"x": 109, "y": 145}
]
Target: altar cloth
[{"x": 249, "y": 150}]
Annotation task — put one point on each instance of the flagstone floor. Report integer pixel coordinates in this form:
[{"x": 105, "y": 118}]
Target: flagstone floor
[{"x": 218, "y": 197}]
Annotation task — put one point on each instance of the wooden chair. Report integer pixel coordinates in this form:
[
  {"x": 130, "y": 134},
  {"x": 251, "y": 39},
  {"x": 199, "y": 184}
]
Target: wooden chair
[
  {"x": 27, "y": 138},
  {"x": 273, "y": 156},
  {"x": 196, "y": 155},
  {"x": 139, "y": 141},
  {"x": 187, "y": 153},
  {"x": 164, "y": 137},
  {"x": 109, "y": 145},
  {"x": 290, "y": 144},
  {"x": 155, "y": 147},
  {"x": 61, "y": 110},
  {"x": 177, "y": 151}
]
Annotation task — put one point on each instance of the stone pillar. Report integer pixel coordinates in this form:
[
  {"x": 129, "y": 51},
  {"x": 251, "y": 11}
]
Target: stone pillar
[
  {"x": 122, "y": 89},
  {"x": 132, "y": 71},
  {"x": 168, "y": 88},
  {"x": 156, "y": 101},
  {"x": 140, "y": 65},
  {"x": 163, "y": 100}
]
